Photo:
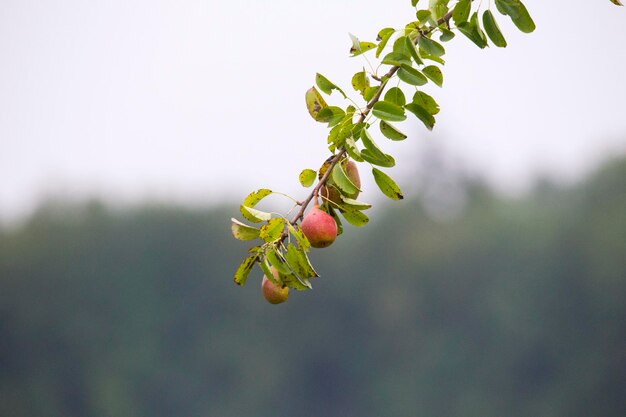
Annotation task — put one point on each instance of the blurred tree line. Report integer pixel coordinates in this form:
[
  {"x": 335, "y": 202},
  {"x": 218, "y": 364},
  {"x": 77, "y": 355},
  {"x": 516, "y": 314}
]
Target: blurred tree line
[{"x": 513, "y": 307}]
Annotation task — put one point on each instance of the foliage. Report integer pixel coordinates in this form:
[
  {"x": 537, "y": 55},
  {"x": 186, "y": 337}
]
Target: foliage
[{"x": 514, "y": 308}]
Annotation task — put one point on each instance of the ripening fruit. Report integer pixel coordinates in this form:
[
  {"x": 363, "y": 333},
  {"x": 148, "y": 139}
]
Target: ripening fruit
[
  {"x": 331, "y": 193},
  {"x": 319, "y": 227},
  {"x": 273, "y": 293}
]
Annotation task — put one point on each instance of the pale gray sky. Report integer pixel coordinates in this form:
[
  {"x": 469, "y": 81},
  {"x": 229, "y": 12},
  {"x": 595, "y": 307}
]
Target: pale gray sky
[{"x": 198, "y": 100}]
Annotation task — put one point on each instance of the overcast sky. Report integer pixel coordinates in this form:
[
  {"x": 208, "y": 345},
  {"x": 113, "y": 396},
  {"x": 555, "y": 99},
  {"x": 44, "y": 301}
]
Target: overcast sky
[{"x": 199, "y": 100}]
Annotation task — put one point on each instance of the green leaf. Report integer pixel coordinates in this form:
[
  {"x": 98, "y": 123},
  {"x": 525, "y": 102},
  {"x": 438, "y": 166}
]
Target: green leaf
[
  {"x": 424, "y": 16},
  {"x": 414, "y": 2},
  {"x": 396, "y": 59},
  {"x": 242, "y": 231},
  {"x": 413, "y": 51},
  {"x": 332, "y": 115},
  {"x": 473, "y": 31},
  {"x": 241, "y": 275},
  {"x": 493, "y": 30},
  {"x": 353, "y": 205},
  {"x": 427, "y": 102},
  {"x": 326, "y": 85},
  {"x": 359, "y": 47},
  {"x": 389, "y": 112},
  {"x": 518, "y": 13},
  {"x": 267, "y": 271},
  {"x": 391, "y": 132},
  {"x": 617, "y": 2},
  {"x": 360, "y": 82},
  {"x": 277, "y": 260},
  {"x": 411, "y": 75},
  {"x": 296, "y": 231},
  {"x": 315, "y": 103},
  {"x": 387, "y": 185},
  {"x": 355, "y": 218},
  {"x": 341, "y": 180},
  {"x": 431, "y": 47},
  {"x": 422, "y": 114},
  {"x": 254, "y": 197},
  {"x": 383, "y": 37},
  {"x": 299, "y": 262},
  {"x": 254, "y": 215},
  {"x": 296, "y": 283},
  {"x": 370, "y": 145},
  {"x": 434, "y": 74},
  {"x": 272, "y": 230},
  {"x": 370, "y": 92},
  {"x": 335, "y": 216},
  {"x": 386, "y": 162},
  {"x": 446, "y": 35},
  {"x": 461, "y": 11},
  {"x": 307, "y": 177},
  {"x": 395, "y": 95},
  {"x": 352, "y": 149}
]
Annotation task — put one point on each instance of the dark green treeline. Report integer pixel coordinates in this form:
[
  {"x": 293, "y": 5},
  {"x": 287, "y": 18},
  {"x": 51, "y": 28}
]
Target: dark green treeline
[{"x": 514, "y": 308}]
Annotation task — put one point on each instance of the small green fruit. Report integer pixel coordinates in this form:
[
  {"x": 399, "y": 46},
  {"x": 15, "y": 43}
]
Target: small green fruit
[
  {"x": 273, "y": 293},
  {"x": 319, "y": 227}
]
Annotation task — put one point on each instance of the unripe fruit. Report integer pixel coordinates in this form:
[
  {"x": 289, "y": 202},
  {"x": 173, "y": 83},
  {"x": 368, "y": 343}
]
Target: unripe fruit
[
  {"x": 319, "y": 228},
  {"x": 273, "y": 293},
  {"x": 330, "y": 192}
]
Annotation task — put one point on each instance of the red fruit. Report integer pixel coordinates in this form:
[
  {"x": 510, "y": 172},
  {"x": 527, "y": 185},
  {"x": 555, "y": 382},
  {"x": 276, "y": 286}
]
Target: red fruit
[
  {"x": 273, "y": 293},
  {"x": 319, "y": 228}
]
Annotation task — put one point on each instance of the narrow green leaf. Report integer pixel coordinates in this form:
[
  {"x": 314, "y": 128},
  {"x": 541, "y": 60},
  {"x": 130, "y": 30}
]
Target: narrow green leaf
[
  {"x": 360, "y": 82},
  {"x": 352, "y": 149},
  {"x": 299, "y": 262},
  {"x": 326, "y": 85},
  {"x": 272, "y": 231},
  {"x": 422, "y": 114},
  {"x": 387, "y": 185},
  {"x": 296, "y": 231},
  {"x": 431, "y": 47},
  {"x": 391, "y": 132},
  {"x": 617, "y": 2},
  {"x": 389, "y": 112},
  {"x": 277, "y": 260},
  {"x": 434, "y": 74},
  {"x": 341, "y": 180},
  {"x": 267, "y": 271},
  {"x": 427, "y": 102},
  {"x": 473, "y": 31},
  {"x": 461, "y": 11},
  {"x": 335, "y": 216},
  {"x": 254, "y": 215},
  {"x": 493, "y": 30},
  {"x": 307, "y": 177},
  {"x": 395, "y": 95},
  {"x": 369, "y": 144},
  {"x": 386, "y": 162},
  {"x": 242, "y": 231},
  {"x": 353, "y": 205},
  {"x": 518, "y": 13},
  {"x": 383, "y": 37},
  {"x": 411, "y": 75},
  {"x": 410, "y": 45},
  {"x": 254, "y": 197},
  {"x": 295, "y": 282},
  {"x": 315, "y": 103},
  {"x": 355, "y": 218},
  {"x": 241, "y": 275}
]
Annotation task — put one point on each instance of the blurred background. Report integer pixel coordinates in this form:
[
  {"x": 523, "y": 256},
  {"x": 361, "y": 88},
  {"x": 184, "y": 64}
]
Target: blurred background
[{"x": 129, "y": 133}]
